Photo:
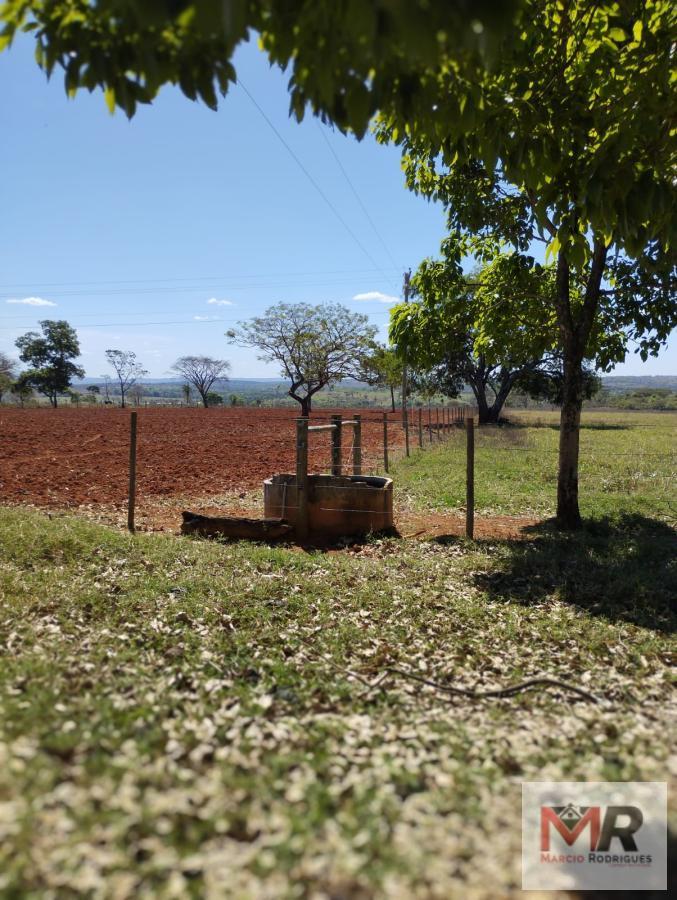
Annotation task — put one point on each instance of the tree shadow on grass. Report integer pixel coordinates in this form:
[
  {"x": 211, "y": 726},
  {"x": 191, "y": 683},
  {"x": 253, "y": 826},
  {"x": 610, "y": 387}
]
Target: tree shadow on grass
[{"x": 624, "y": 570}]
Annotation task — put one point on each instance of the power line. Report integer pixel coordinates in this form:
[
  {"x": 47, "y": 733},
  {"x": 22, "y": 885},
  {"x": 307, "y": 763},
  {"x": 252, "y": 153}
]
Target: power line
[
  {"x": 194, "y": 321},
  {"x": 135, "y": 324},
  {"x": 357, "y": 196},
  {"x": 313, "y": 182},
  {"x": 188, "y": 289},
  {"x": 215, "y": 278}
]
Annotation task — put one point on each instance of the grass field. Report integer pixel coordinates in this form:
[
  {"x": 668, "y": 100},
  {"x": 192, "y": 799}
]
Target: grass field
[
  {"x": 181, "y": 718},
  {"x": 628, "y": 462}
]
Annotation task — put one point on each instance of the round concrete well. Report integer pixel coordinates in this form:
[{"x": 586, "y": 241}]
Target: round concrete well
[{"x": 338, "y": 505}]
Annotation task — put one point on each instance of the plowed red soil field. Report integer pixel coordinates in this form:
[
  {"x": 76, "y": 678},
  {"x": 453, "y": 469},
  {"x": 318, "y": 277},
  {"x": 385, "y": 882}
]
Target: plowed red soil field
[{"x": 73, "y": 457}]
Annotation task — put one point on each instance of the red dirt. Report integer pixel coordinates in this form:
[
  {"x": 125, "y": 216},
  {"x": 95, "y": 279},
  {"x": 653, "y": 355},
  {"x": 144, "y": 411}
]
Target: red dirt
[
  {"x": 208, "y": 459},
  {"x": 66, "y": 458}
]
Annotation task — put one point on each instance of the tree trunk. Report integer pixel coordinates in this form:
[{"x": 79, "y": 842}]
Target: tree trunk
[
  {"x": 482, "y": 408},
  {"x": 205, "y": 402},
  {"x": 575, "y": 333},
  {"x": 489, "y": 415},
  {"x": 392, "y": 398},
  {"x": 306, "y": 404},
  {"x": 568, "y": 513},
  {"x": 506, "y": 385}
]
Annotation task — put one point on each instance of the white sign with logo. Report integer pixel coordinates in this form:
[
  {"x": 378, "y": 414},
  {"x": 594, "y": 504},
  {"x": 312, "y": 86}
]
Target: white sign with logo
[{"x": 594, "y": 835}]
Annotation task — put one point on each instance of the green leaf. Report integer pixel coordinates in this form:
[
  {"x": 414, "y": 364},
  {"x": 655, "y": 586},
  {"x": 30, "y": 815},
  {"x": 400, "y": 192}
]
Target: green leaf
[
  {"x": 109, "y": 97},
  {"x": 552, "y": 249}
]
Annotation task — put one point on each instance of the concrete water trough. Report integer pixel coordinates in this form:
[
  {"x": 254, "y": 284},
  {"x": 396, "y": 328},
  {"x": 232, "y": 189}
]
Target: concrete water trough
[
  {"x": 312, "y": 508},
  {"x": 338, "y": 505}
]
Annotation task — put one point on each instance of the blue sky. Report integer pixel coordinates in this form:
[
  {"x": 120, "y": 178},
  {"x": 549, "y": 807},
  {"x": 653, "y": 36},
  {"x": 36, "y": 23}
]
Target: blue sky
[{"x": 157, "y": 235}]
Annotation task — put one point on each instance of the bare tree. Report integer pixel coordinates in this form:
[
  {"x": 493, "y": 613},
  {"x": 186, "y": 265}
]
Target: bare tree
[
  {"x": 7, "y": 373},
  {"x": 315, "y": 346},
  {"x": 126, "y": 368},
  {"x": 136, "y": 393},
  {"x": 202, "y": 372},
  {"x": 106, "y": 388}
]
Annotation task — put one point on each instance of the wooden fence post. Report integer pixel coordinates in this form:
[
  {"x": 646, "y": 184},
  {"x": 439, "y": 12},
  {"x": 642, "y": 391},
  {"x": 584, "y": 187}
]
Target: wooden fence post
[
  {"x": 385, "y": 441},
  {"x": 470, "y": 477},
  {"x": 406, "y": 429},
  {"x": 336, "y": 468},
  {"x": 357, "y": 445},
  {"x": 437, "y": 421},
  {"x": 302, "y": 479},
  {"x": 430, "y": 425},
  {"x": 420, "y": 428},
  {"x": 131, "y": 504}
]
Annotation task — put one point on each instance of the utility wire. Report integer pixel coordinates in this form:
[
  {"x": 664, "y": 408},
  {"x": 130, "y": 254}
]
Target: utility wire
[
  {"x": 313, "y": 181},
  {"x": 186, "y": 289},
  {"x": 135, "y": 324},
  {"x": 357, "y": 196},
  {"x": 41, "y": 284},
  {"x": 199, "y": 321}
]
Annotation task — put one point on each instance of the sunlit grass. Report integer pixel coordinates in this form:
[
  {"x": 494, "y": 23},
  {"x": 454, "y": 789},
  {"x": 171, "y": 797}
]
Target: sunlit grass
[
  {"x": 628, "y": 464},
  {"x": 177, "y": 716}
]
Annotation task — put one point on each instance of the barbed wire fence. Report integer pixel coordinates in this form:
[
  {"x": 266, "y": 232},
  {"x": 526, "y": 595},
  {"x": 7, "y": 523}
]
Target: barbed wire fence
[{"x": 372, "y": 449}]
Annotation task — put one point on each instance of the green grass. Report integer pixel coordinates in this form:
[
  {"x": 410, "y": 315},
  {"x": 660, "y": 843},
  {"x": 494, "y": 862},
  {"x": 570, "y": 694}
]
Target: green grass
[
  {"x": 628, "y": 463},
  {"x": 182, "y": 718}
]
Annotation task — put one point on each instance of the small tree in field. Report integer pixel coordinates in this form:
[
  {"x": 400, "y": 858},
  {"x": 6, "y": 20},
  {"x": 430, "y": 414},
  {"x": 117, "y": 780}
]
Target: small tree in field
[
  {"x": 6, "y": 373},
  {"x": 202, "y": 372},
  {"x": 126, "y": 368},
  {"x": 136, "y": 393},
  {"x": 314, "y": 346},
  {"x": 22, "y": 390},
  {"x": 106, "y": 388},
  {"x": 50, "y": 356},
  {"x": 383, "y": 368}
]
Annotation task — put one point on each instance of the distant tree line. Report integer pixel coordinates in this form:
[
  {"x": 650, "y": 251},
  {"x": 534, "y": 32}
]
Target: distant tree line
[{"x": 317, "y": 348}]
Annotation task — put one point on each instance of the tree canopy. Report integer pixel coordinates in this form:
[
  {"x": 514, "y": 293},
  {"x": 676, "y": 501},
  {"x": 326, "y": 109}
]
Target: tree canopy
[
  {"x": 572, "y": 114},
  {"x": 564, "y": 141},
  {"x": 345, "y": 60},
  {"x": 50, "y": 356},
  {"x": 7, "y": 373},
  {"x": 382, "y": 367},
  {"x": 202, "y": 372},
  {"x": 127, "y": 370},
  {"x": 314, "y": 346},
  {"x": 489, "y": 330}
]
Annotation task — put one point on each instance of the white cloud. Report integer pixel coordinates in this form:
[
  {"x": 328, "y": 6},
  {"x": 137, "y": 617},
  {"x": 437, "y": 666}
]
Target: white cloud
[
  {"x": 215, "y": 302},
  {"x": 32, "y": 301},
  {"x": 204, "y": 318},
  {"x": 377, "y": 295}
]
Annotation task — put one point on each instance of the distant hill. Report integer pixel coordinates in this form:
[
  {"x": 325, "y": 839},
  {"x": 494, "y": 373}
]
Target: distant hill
[{"x": 621, "y": 384}]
